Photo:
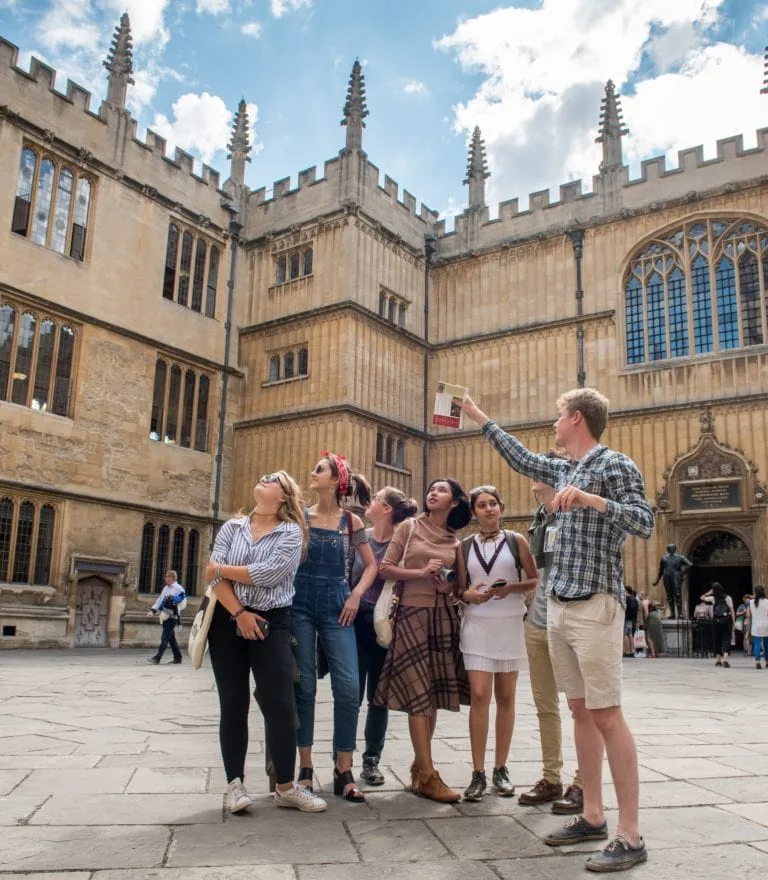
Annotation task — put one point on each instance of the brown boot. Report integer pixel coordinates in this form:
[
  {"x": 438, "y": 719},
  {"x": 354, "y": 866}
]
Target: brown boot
[
  {"x": 414, "y": 778},
  {"x": 431, "y": 786},
  {"x": 541, "y": 793},
  {"x": 570, "y": 803}
]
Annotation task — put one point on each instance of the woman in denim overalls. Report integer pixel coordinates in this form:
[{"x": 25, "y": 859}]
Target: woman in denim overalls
[{"x": 324, "y": 608}]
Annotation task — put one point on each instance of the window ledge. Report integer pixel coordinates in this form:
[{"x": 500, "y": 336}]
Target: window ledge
[
  {"x": 200, "y": 314},
  {"x": 693, "y": 360},
  {"x": 288, "y": 281},
  {"x": 269, "y": 384},
  {"x": 44, "y": 247},
  {"x": 160, "y": 443},
  {"x": 31, "y": 409},
  {"x": 393, "y": 468},
  {"x": 11, "y": 587}
]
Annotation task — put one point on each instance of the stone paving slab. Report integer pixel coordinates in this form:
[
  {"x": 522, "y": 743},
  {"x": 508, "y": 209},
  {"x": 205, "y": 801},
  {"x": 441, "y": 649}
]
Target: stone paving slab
[{"x": 104, "y": 777}]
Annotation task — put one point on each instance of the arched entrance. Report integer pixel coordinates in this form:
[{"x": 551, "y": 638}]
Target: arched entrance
[{"x": 719, "y": 556}]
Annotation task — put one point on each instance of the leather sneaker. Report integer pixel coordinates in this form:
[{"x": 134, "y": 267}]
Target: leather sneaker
[
  {"x": 502, "y": 783},
  {"x": 571, "y": 802},
  {"x": 541, "y": 793},
  {"x": 371, "y": 773},
  {"x": 576, "y": 830},
  {"x": 476, "y": 788},
  {"x": 237, "y": 796},
  {"x": 430, "y": 785},
  {"x": 619, "y": 855}
]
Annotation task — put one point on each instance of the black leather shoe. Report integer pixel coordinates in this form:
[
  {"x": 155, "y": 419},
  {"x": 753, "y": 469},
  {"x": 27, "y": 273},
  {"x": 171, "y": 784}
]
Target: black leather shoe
[
  {"x": 571, "y": 802},
  {"x": 619, "y": 855},
  {"x": 476, "y": 788},
  {"x": 501, "y": 782}
]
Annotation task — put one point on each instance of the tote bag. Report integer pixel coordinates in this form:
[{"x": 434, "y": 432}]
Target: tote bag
[
  {"x": 386, "y": 605},
  {"x": 198, "y": 633}
]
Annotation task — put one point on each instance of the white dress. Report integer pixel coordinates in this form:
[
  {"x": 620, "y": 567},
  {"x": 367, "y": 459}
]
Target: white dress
[{"x": 492, "y": 634}]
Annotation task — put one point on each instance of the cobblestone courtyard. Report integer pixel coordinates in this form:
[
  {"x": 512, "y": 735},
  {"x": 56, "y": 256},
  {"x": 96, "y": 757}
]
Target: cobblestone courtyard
[{"x": 110, "y": 770}]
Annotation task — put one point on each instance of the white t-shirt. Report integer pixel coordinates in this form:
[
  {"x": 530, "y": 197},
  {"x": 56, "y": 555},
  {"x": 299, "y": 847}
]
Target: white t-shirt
[{"x": 759, "y": 616}]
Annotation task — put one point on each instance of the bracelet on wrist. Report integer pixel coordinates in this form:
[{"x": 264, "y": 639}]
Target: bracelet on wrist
[{"x": 237, "y": 614}]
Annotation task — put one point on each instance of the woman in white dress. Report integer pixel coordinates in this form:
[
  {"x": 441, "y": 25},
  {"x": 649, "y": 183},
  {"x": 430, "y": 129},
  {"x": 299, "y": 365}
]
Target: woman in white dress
[{"x": 500, "y": 570}]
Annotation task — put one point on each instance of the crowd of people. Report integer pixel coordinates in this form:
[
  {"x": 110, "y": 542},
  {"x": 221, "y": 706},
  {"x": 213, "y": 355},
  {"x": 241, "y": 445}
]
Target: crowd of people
[{"x": 297, "y": 587}]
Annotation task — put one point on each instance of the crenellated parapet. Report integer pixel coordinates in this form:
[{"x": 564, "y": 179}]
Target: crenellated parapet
[
  {"x": 109, "y": 137},
  {"x": 613, "y": 195}
]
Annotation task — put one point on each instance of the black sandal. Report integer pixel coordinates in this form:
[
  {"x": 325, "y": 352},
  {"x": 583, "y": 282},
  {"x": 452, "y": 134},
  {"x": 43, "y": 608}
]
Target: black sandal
[
  {"x": 307, "y": 773},
  {"x": 340, "y": 780}
]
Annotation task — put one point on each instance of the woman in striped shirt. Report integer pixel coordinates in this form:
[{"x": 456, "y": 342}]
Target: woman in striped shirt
[{"x": 253, "y": 565}]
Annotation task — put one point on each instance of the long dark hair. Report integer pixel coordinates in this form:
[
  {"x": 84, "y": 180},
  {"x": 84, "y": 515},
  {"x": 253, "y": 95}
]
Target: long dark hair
[
  {"x": 402, "y": 507},
  {"x": 359, "y": 489},
  {"x": 460, "y": 515},
  {"x": 759, "y": 594},
  {"x": 718, "y": 591}
]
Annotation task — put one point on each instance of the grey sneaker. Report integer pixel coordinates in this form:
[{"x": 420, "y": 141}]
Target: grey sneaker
[
  {"x": 576, "y": 830},
  {"x": 502, "y": 783},
  {"x": 300, "y": 798},
  {"x": 476, "y": 788},
  {"x": 619, "y": 855},
  {"x": 237, "y": 796},
  {"x": 371, "y": 773}
]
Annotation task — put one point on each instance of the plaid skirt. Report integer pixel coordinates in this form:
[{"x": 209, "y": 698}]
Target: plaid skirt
[{"x": 423, "y": 670}]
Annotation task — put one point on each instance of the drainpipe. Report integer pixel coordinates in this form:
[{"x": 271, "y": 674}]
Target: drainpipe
[
  {"x": 577, "y": 240},
  {"x": 234, "y": 232},
  {"x": 429, "y": 250}
]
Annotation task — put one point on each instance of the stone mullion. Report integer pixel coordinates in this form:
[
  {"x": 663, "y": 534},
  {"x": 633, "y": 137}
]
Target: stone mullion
[
  {"x": 195, "y": 400},
  {"x": 14, "y": 536}
]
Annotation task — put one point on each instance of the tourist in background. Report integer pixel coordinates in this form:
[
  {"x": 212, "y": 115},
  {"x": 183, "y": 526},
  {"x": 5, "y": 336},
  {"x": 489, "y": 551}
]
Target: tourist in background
[
  {"x": 757, "y": 620},
  {"x": 654, "y": 631},
  {"x": 499, "y": 570},
  {"x": 423, "y": 670},
  {"x": 171, "y": 601},
  {"x": 388, "y": 508},
  {"x": 723, "y": 617},
  {"x": 253, "y": 565},
  {"x": 630, "y": 621},
  {"x": 324, "y": 609},
  {"x": 549, "y": 789}
]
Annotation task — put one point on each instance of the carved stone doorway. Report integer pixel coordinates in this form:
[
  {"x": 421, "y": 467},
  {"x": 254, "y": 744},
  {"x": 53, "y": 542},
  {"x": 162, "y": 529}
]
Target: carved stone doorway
[
  {"x": 92, "y": 613},
  {"x": 719, "y": 556}
]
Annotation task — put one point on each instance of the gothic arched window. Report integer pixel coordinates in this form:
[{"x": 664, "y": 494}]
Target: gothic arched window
[{"x": 699, "y": 288}]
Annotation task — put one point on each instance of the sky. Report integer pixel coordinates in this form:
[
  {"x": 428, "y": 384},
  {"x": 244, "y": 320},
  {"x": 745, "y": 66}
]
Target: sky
[{"x": 531, "y": 74}]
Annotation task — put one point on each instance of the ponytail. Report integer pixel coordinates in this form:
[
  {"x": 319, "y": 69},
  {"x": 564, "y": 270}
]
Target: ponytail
[{"x": 402, "y": 507}]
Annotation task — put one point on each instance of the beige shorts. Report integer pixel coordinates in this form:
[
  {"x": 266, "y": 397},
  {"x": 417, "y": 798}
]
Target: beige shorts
[{"x": 586, "y": 645}]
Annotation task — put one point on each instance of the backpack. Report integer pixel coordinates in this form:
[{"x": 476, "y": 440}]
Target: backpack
[
  {"x": 514, "y": 549},
  {"x": 632, "y": 608},
  {"x": 721, "y": 611}
]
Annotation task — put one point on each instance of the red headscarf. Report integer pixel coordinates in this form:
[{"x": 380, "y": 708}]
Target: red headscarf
[{"x": 342, "y": 470}]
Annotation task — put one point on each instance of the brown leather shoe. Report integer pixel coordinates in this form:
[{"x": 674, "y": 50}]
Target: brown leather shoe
[
  {"x": 414, "y": 778},
  {"x": 541, "y": 793},
  {"x": 431, "y": 786},
  {"x": 571, "y": 802}
]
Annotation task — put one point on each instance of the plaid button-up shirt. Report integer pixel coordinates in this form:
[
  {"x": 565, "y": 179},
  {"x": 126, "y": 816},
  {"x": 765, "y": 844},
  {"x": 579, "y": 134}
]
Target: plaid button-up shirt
[{"x": 587, "y": 553}]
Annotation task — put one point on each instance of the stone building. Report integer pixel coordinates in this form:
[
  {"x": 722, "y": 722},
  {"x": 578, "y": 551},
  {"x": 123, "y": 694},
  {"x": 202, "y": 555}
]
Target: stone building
[{"x": 166, "y": 337}]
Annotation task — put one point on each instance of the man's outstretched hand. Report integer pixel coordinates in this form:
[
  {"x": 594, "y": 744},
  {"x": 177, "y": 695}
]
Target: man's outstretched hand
[{"x": 472, "y": 410}]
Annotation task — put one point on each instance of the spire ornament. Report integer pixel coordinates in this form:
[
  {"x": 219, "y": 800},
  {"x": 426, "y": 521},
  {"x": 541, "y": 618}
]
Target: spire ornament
[
  {"x": 612, "y": 129},
  {"x": 239, "y": 145},
  {"x": 119, "y": 63},
  {"x": 764, "y": 90},
  {"x": 477, "y": 171},
  {"x": 355, "y": 109}
]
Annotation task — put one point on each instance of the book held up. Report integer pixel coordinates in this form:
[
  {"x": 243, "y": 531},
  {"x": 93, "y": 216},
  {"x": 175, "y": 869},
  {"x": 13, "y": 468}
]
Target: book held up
[{"x": 447, "y": 412}]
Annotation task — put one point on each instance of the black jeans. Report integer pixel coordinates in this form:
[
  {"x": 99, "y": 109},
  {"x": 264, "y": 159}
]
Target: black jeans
[
  {"x": 722, "y": 636},
  {"x": 370, "y": 660},
  {"x": 271, "y": 661},
  {"x": 169, "y": 638}
]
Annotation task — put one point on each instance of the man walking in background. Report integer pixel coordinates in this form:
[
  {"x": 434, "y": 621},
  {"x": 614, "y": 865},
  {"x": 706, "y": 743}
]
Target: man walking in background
[{"x": 170, "y": 603}]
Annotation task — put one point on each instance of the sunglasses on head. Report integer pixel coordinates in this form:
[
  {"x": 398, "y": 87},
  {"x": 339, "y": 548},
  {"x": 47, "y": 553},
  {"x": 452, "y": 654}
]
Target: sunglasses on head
[{"x": 479, "y": 490}]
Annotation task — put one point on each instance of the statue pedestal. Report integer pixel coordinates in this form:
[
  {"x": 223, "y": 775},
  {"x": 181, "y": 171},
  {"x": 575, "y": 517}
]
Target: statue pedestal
[{"x": 677, "y": 634}]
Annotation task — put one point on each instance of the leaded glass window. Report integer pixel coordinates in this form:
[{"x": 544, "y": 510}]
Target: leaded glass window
[
  {"x": 27, "y": 533},
  {"x": 177, "y": 543},
  {"x": 179, "y": 412},
  {"x": 700, "y": 288}
]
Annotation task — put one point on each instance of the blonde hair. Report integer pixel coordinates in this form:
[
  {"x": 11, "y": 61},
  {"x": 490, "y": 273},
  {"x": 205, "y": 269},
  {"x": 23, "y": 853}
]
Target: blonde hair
[
  {"x": 292, "y": 509},
  {"x": 591, "y": 404}
]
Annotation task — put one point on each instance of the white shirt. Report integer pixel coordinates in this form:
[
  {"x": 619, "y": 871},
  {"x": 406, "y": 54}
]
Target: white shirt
[{"x": 759, "y": 617}]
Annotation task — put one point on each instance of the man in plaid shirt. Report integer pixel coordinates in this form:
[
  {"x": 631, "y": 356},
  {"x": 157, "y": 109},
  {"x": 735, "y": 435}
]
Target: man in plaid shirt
[{"x": 600, "y": 500}]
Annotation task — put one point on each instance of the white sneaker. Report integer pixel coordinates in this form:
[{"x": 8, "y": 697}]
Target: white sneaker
[
  {"x": 237, "y": 796},
  {"x": 300, "y": 798}
]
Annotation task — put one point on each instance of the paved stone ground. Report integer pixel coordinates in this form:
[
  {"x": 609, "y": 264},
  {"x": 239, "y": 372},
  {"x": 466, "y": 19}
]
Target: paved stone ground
[{"x": 110, "y": 770}]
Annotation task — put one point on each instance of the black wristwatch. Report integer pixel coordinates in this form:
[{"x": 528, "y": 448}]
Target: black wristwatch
[{"x": 237, "y": 614}]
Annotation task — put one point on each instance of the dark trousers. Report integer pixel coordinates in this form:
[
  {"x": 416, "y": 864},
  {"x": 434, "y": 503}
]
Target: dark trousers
[
  {"x": 271, "y": 661},
  {"x": 370, "y": 660},
  {"x": 722, "y": 636},
  {"x": 169, "y": 639}
]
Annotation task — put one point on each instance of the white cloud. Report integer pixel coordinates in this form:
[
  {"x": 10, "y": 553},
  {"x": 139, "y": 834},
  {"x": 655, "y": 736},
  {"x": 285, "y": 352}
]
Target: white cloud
[
  {"x": 415, "y": 87},
  {"x": 202, "y": 125},
  {"x": 214, "y": 7},
  {"x": 545, "y": 71},
  {"x": 69, "y": 23},
  {"x": 280, "y": 8},
  {"x": 251, "y": 29},
  {"x": 147, "y": 19}
]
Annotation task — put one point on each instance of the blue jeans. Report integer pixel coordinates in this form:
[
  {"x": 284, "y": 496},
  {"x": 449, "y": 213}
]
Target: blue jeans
[
  {"x": 759, "y": 642},
  {"x": 370, "y": 660},
  {"x": 321, "y": 591}
]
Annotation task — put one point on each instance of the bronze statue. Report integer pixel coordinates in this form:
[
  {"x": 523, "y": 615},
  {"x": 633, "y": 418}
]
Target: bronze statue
[{"x": 672, "y": 567}]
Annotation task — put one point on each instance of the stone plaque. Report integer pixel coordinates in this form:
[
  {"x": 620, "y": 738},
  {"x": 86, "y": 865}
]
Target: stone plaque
[{"x": 724, "y": 494}]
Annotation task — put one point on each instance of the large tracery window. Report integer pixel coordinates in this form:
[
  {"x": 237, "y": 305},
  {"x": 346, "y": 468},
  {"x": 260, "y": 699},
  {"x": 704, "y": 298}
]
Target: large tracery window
[
  {"x": 26, "y": 541},
  {"x": 700, "y": 288}
]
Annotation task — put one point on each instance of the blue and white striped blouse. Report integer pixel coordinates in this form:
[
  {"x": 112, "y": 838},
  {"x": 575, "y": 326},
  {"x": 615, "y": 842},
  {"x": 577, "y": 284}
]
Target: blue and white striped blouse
[{"x": 271, "y": 561}]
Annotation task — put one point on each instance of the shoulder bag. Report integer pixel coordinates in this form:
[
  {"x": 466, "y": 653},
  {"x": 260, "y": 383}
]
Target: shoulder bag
[
  {"x": 386, "y": 605},
  {"x": 198, "y": 632}
]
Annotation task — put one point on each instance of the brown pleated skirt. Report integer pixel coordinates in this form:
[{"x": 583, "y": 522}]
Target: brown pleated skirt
[{"x": 423, "y": 670}]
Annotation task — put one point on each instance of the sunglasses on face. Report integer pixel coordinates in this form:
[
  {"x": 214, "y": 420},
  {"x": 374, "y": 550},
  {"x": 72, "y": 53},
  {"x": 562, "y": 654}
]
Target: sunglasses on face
[{"x": 272, "y": 478}]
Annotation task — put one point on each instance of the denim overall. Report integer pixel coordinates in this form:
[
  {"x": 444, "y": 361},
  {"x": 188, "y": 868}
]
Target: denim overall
[{"x": 321, "y": 591}]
